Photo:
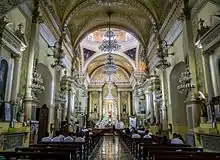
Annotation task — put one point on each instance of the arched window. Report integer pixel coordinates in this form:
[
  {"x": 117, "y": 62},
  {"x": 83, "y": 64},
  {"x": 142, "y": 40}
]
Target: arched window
[
  {"x": 3, "y": 80},
  {"x": 3, "y": 77}
]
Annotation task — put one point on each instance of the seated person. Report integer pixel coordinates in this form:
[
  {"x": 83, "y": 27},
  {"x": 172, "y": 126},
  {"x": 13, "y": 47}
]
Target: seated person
[
  {"x": 79, "y": 137},
  {"x": 135, "y": 135},
  {"x": 58, "y": 138},
  {"x": 47, "y": 138},
  {"x": 141, "y": 131},
  {"x": 176, "y": 140},
  {"x": 69, "y": 138},
  {"x": 147, "y": 134}
]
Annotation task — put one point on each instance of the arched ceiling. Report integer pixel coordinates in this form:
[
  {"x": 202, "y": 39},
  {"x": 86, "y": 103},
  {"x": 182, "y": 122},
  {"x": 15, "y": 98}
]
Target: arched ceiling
[
  {"x": 120, "y": 75},
  {"x": 119, "y": 61},
  {"x": 136, "y": 16}
]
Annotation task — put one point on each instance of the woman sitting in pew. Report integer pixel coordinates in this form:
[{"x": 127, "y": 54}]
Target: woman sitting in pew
[{"x": 176, "y": 139}]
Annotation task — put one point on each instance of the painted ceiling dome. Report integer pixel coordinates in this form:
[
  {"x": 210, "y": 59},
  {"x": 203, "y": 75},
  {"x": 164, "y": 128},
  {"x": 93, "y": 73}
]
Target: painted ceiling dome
[{"x": 120, "y": 35}]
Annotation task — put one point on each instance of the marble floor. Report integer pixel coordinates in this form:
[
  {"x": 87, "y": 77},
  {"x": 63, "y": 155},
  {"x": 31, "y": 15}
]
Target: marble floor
[{"x": 111, "y": 148}]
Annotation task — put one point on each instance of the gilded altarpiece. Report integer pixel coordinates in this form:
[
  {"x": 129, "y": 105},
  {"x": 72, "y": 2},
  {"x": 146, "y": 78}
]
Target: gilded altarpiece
[{"x": 110, "y": 108}]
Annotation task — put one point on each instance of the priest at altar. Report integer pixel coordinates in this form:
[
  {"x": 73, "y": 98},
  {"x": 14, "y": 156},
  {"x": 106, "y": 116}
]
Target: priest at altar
[{"x": 103, "y": 124}]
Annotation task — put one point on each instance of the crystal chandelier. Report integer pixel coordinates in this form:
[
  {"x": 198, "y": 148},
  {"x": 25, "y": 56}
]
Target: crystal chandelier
[
  {"x": 110, "y": 66},
  {"x": 58, "y": 54},
  {"x": 109, "y": 44},
  {"x": 158, "y": 96},
  {"x": 154, "y": 82},
  {"x": 185, "y": 84},
  {"x": 163, "y": 53},
  {"x": 60, "y": 97},
  {"x": 163, "y": 64},
  {"x": 37, "y": 82}
]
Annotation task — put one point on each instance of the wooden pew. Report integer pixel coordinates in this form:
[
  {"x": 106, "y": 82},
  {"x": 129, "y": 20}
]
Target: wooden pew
[
  {"x": 79, "y": 145},
  {"x": 186, "y": 155},
  {"x": 36, "y": 155},
  {"x": 136, "y": 144},
  {"x": 148, "y": 152},
  {"x": 144, "y": 148},
  {"x": 74, "y": 152}
]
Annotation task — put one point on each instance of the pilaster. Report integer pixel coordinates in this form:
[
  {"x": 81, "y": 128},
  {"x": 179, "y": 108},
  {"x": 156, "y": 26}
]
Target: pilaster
[
  {"x": 192, "y": 106},
  {"x": 35, "y": 32},
  {"x": 100, "y": 104},
  {"x": 165, "y": 97},
  {"x": 119, "y": 105}
]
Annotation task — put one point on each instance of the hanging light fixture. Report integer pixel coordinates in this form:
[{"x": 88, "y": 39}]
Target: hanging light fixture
[
  {"x": 58, "y": 53},
  {"x": 163, "y": 53},
  {"x": 109, "y": 43},
  {"x": 110, "y": 66},
  {"x": 185, "y": 82},
  {"x": 37, "y": 81}
]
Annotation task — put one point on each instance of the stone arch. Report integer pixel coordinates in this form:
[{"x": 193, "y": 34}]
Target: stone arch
[
  {"x": 178, "y": 108},
  {"x": 46, "y": 96}
]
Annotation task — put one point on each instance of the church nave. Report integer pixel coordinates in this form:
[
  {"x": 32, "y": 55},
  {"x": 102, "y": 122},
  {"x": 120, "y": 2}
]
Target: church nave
[{"x": 111, "y": 148}]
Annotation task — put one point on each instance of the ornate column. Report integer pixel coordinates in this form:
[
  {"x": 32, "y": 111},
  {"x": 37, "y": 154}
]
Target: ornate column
[
  {"x": 193, "y": 109},
  {"x": 136, "y": 102},
  {"x": 151, "y": 105},
  {"x": 129, "y": 104},
  {"x": 208, "y": 76},
  {"x": 147, "y": 100},
  {"x": 9, "y": 83},
  {"x": 32, "y": 49},
  {"x": 119, "y": 105},
  {"x": 70, "y": 104},
  {"x": 165, "y": 98},
  {"x": 100, "y": 105},
  {"x": 15, "y": 85},
  {"x": 157, "y": 112},
  {"x": 90, "y": 103}
]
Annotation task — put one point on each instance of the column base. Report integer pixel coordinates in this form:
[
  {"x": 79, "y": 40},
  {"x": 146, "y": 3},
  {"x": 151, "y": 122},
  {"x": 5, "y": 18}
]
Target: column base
[
  {"x": 27, "y": 110},
  {"x": 193, "y": 113}
]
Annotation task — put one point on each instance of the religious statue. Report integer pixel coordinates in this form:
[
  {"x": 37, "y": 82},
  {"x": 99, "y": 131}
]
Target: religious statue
[
  {"x": 20, "y": 115},
  {"x": 95, "y": 108},
  {"x": 124, "y": 108},
  {"x": 203, "y": 105}
]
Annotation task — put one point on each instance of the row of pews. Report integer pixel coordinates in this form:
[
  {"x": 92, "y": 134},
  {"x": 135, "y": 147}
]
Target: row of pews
[
  {"x": 56, "y": 150},
  {"x": 156, "y": 149}
]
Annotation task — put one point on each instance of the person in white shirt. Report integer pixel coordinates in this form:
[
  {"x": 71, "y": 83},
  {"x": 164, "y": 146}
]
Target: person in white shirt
[
  {"x": 176, "y": 140},
  {"x": 69, "y": 138},
  {"x": 47, "y": 138},
  {"x": 58, "y": 138},
  {"x": 135, "y": 135},
  {"x": 147, "y": 134},
  {"x": 79, "y": 138}
]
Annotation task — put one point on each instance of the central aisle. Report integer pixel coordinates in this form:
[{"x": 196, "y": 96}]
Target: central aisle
[{"x": 110, "y": 148}]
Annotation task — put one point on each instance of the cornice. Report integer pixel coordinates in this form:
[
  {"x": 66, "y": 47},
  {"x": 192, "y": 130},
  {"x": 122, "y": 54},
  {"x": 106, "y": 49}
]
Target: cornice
[
  {"x": 211, "y": 40},
  {"x": 172, "y": 16},
  {"x": 12, "y": 42}
]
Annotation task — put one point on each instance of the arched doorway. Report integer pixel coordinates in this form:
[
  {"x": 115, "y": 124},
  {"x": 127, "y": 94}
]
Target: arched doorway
[
  {"x": 3, "y": 81},
  {"x": 46, "y": 96},
  {"x": 179, "y": 115}
]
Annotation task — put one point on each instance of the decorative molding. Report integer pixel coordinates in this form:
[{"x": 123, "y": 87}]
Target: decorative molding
[
  {"x": 12, "y": 42},
  {"x": 7, "y": 5},
  {"x": 211, "y": 40}
]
